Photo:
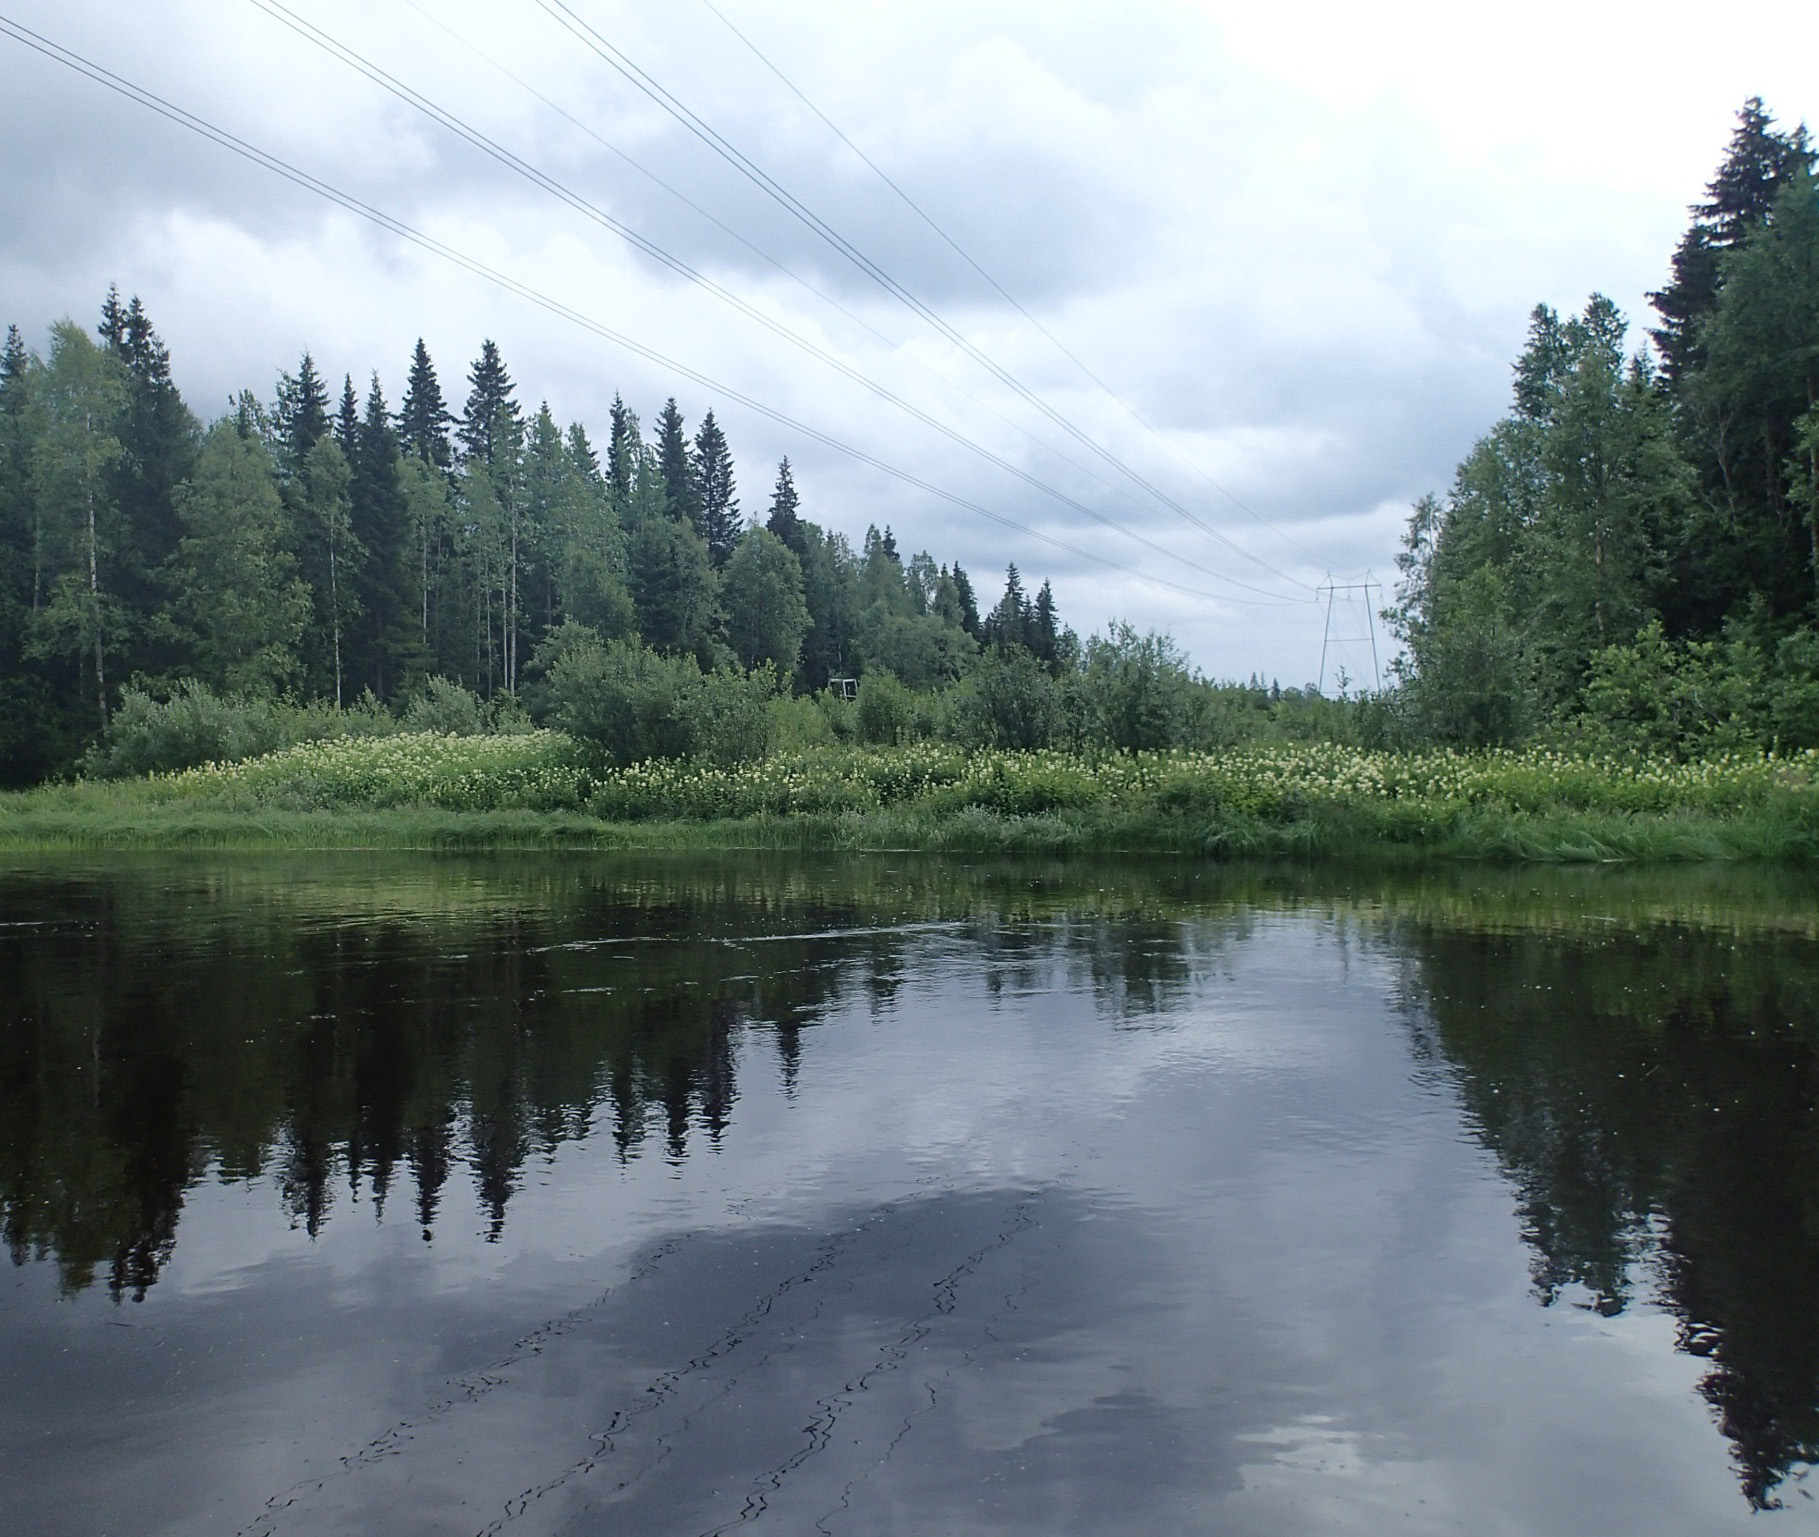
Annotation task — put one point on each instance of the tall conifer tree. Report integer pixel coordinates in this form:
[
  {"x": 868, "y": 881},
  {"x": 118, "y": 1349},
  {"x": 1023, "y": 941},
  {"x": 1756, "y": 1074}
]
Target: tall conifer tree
[
  {"x": 423, "y": 418},
  {"x": 784, "y": 520},
  {"x": 159, "y": 439},
  {"x": 492, "y": 426},
  {"x": 681, "y": 498},
  {"x": 1759, "y": 162},
  {"x": 301, "y": 415},
  {"x": 347, "y": 419},
  {"x": 618, "y": 460},
  {"x": 718, "y": 506}
]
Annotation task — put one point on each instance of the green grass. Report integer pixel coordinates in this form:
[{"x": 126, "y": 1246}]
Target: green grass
[{"x": 541, "y": 790}]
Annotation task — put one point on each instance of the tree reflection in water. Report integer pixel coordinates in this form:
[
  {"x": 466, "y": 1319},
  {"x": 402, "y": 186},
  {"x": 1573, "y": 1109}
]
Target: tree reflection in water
[{"x": 1643, "y": 1066}]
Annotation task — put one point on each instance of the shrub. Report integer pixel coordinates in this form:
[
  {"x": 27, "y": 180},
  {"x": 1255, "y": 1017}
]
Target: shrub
[
  {"x": 886, "y": 710},
  {"x": 447, "y": 709},
  {"x": 634, "y": 704},
  {"x": 193, "y": 724},
  {"x": 1009, "y": 700},
  {"x": 732, "y": 718},
  {"x": 1137, "y": 692}
]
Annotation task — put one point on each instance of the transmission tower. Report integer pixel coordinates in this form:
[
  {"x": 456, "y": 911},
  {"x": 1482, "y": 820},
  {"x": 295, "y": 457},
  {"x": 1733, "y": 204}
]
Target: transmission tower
[{"x": 1331, "y": 591}]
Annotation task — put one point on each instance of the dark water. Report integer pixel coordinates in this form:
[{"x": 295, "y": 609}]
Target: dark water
[{"x": 382, "y": 1195}]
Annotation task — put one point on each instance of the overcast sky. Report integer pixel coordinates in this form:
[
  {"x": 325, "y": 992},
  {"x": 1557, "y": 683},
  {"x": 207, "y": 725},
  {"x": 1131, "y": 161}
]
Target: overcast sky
[{"x": 1298, "y": 243}]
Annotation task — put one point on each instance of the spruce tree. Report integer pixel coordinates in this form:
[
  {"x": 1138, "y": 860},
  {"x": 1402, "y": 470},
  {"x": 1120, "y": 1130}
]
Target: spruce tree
[
  {"x": 718, "y": 517},
  {"x": 1045, "y": 628},
  {"x": 618, "y": 458},
  {"x": 300, "y": 416},
  {"x": 784, "y": 520},
  {"x": 1759, "y": 162},
  {"x": 969, "y": 601},
  {"x": 492, "y": 426},
  {"x": 26, "y": 722},
  {"x": 582, "y": 457},
  {"x": 159, "y": 439},
  {"x": 347, "y": 419},
  {"x": 681, "y": 499},
  {"x": 424, "y": 419},
  {"x": 386, "y": 648},
  {"x": 1009, "y": 624}
]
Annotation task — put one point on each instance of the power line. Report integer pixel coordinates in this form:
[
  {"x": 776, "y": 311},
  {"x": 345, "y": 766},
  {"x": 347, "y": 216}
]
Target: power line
[
  {"x": 760, "y": 253},
  {"x": 1003, "y": 293},
  {"x": 565, "y": 16},
  {"x": 515, "y": 163},
  {"x": 330, "y": 193}
]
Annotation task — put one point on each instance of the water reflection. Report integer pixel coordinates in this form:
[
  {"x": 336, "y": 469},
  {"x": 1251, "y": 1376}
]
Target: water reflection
[
  {"x": 359, "y": 1039},
  {"x": 1653, "y": 1096}
]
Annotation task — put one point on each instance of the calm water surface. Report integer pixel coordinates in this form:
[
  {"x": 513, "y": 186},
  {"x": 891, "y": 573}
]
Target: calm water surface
[{"x": 366, "y": 1194}]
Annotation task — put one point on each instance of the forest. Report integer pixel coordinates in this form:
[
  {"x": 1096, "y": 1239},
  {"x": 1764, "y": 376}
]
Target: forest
[
  {"x": 1628, "y": 562},
  {"x": 1629, "y": 557},
  {"x": 337, "y": 553}
]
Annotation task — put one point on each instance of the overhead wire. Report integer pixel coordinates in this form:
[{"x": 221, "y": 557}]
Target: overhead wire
[
  {"x": 611, "y": 54},
  {"x": 322, "y": 39},
  {"x": 998, "y": 288},
  {"x": 464, "y": 42},
  {"x": 183, "y": 118}
]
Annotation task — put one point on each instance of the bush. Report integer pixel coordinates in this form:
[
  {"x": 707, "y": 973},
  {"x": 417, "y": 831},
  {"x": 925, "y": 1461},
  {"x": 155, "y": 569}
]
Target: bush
[
  {"x": 732, "y": 717},
  {"x": 193, "y": 724},
  {"x": 1137, "y": 692},
  {"x": 887, "y": 710},
  {"x": 1009, "y": 700},
  {"x": 447, "y": 709},
  {"x": 1678, "y": 700},
  {"x": 634, "y": 704},
  {"x": 1793, "y": 691}
]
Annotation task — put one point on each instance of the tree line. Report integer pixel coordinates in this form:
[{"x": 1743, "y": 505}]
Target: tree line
[
  {"x": 339, "y": 550},
  {"x": 1631, "y": 555}
]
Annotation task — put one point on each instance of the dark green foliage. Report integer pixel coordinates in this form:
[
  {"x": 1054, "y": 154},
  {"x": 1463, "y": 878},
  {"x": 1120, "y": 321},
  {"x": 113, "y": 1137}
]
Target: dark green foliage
[
  {"x": 634, "y": 704},
  {"x": 424, "y": 419},
  {"x": 1010, "y": 700},
  {"x": 159, "y": 440},
  {"x": 968, "y": 604},
  {"x": 621, "y": 446},
  {"x": 347, "y": 419},
  {"x": 1758, "y": 164},
  {"x": 681, "y": 489},
  {"x": 1009, "y": 623},
  {"x": 673, "y": 587},
  {"x": 716, "y": 508},
  {"x": 492, "y": 426},
  {"x": 761, "y": 590},
  {"x": 784, "y": 520},
  {"x": 300, "y": 416}
]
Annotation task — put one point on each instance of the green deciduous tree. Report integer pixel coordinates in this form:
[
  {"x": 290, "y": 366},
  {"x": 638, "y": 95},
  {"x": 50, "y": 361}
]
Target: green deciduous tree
[
  {"x": 237, "y": 605},
  {"x": 80, "y": 392},
  {"x": 766, "y": 616}
]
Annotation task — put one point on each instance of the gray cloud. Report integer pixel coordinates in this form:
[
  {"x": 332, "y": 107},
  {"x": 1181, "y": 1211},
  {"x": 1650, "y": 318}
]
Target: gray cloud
[{"x": 1314, "y": 296}]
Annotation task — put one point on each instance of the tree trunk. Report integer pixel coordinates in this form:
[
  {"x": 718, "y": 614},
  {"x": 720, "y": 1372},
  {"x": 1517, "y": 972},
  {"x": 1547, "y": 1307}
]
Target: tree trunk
[{"x": 94, "y": 606}]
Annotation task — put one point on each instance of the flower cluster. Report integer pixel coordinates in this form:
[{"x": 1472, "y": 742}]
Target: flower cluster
[
  {"x": 538, "y": 770},
  {"x": 545, "y": 770}
]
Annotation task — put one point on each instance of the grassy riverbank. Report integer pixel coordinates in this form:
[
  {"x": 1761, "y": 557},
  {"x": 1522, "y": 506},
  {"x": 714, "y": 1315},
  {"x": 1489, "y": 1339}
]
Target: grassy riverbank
[{"x": 542, "y": 790}]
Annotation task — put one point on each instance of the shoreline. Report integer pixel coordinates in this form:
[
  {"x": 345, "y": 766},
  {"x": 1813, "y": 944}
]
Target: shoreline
[{"x": 1394, "y": 833}]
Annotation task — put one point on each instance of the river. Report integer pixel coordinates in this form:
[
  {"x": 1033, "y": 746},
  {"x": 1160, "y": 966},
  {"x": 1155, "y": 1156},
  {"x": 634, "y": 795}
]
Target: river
[{"x": 365, "y": 1193}]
